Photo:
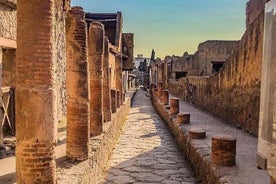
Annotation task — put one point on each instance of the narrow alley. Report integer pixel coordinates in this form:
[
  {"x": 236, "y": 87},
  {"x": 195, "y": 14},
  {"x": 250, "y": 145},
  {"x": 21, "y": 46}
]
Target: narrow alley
[{"x": 146, "y": 151}]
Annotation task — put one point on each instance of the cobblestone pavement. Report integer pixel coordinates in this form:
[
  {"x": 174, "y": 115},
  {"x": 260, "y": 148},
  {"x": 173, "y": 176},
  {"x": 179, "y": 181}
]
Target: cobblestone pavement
[{"x": 146, "y": 151}]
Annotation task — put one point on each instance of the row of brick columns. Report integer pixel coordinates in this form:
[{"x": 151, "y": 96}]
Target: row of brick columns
[
  {"x": 223, "y": 151},
  {"x": 90, "y": 100}
]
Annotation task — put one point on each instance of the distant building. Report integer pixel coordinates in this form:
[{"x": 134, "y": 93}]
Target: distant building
[{"x": 140, "y": 58}]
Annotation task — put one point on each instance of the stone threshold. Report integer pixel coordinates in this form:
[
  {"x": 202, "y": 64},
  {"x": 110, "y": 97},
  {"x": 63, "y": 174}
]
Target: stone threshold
[{"x": 198, "y": 151}]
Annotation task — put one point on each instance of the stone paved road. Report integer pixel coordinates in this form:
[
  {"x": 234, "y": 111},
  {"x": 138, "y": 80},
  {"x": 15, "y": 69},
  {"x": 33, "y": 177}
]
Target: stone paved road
[{"x": 146, "y": 151}]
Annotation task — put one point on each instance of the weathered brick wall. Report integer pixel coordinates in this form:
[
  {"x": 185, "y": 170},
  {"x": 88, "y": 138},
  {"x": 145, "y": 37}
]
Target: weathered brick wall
[
  {"x": 233, "y": 93},
  {"x": 213, "y": 51},
  {"x": 8, "y": 20}
]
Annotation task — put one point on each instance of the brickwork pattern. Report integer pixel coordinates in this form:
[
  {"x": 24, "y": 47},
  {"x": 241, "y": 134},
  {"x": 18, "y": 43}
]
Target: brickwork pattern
[
  {"x": 77, "y": 86},
  {"x": 95, "y": 59},
  {"x": 36, "y": 113}
]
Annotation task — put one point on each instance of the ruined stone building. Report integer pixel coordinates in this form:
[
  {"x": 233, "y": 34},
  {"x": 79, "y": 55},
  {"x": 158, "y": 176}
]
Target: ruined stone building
[
  {"x": 70, "y": 71},
  {"x": 228, "y": 74},
  {"x": 212, "y": 54},
  {"x": 234, "y": 92}
]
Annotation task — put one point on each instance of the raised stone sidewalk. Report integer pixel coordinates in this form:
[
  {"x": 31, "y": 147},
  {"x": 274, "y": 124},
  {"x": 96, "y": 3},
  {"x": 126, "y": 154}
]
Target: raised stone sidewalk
[
  {"x": 198, "y": 151},
  {"x": 146, "y": 151}
]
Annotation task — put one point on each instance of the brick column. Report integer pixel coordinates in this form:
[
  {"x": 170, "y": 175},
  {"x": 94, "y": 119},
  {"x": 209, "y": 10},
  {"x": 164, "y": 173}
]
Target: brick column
[
  {"x": 36, "y": 109},
  {"x": 113, "y": 100},
  {"x": 77, "y": 85},
  {"x": 95, "y": 59},
  {"x": 106, "y": 83}
]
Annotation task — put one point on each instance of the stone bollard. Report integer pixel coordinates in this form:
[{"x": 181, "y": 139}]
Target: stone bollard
[
  {"x": 183, "y": 118},
  {"x": 223, "y": 150},
  {"x": 197, "y": 133},
  {"x": 160, "y": 87},
  {"x": 174, "y": 106},
  {"x": 165, "y": 97}
]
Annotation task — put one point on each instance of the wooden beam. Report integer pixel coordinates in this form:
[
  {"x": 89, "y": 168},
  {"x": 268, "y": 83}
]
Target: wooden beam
[{"x": 8, "y": 43}]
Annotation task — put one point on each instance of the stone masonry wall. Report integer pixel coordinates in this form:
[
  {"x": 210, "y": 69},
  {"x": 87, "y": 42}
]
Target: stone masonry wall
[
  {"x": 8, "y": 61},
  {"x": 61, "y": 8},
  {"x": 233, "y": 93},
  {"x": 7, "y": 21},
  {"x": 213, "y": 51}
]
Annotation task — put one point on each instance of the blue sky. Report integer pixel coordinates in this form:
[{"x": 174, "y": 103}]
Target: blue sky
[{"x": 174, "y": 26}]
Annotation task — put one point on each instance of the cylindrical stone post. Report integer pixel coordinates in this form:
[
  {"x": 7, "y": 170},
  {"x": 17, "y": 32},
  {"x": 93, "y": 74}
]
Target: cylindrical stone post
[
  {"x": 113, "y": 101},
  {"x": 183, "y": 118},
  {"x": 197, "y": 133},
  {"x": 77, "y": 85},
  {"x": 160, "y": 88},
  {"x": 106, "y": 83},
  {"x": 174, "y": 106},
  {"x": 95, "y": 59},
  {"x": 223, "y": 150},
  {"x": 36, "y": 110},
  {"x": 165, "y": 97}
]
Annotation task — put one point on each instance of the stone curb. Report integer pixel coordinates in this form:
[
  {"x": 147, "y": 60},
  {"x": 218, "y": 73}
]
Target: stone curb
[
  {"x": 198, "y": 156},
  {"x": 101, "y": 147}
]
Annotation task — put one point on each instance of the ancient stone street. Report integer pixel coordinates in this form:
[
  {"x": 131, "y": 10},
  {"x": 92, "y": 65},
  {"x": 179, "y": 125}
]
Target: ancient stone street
[{"x": 146, "y": 151}]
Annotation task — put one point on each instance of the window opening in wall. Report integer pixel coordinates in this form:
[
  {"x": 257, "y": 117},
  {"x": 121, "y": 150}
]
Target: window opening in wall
[
  {"x": 179, "y": 75},
  {"x": 217, "y": 65}
]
